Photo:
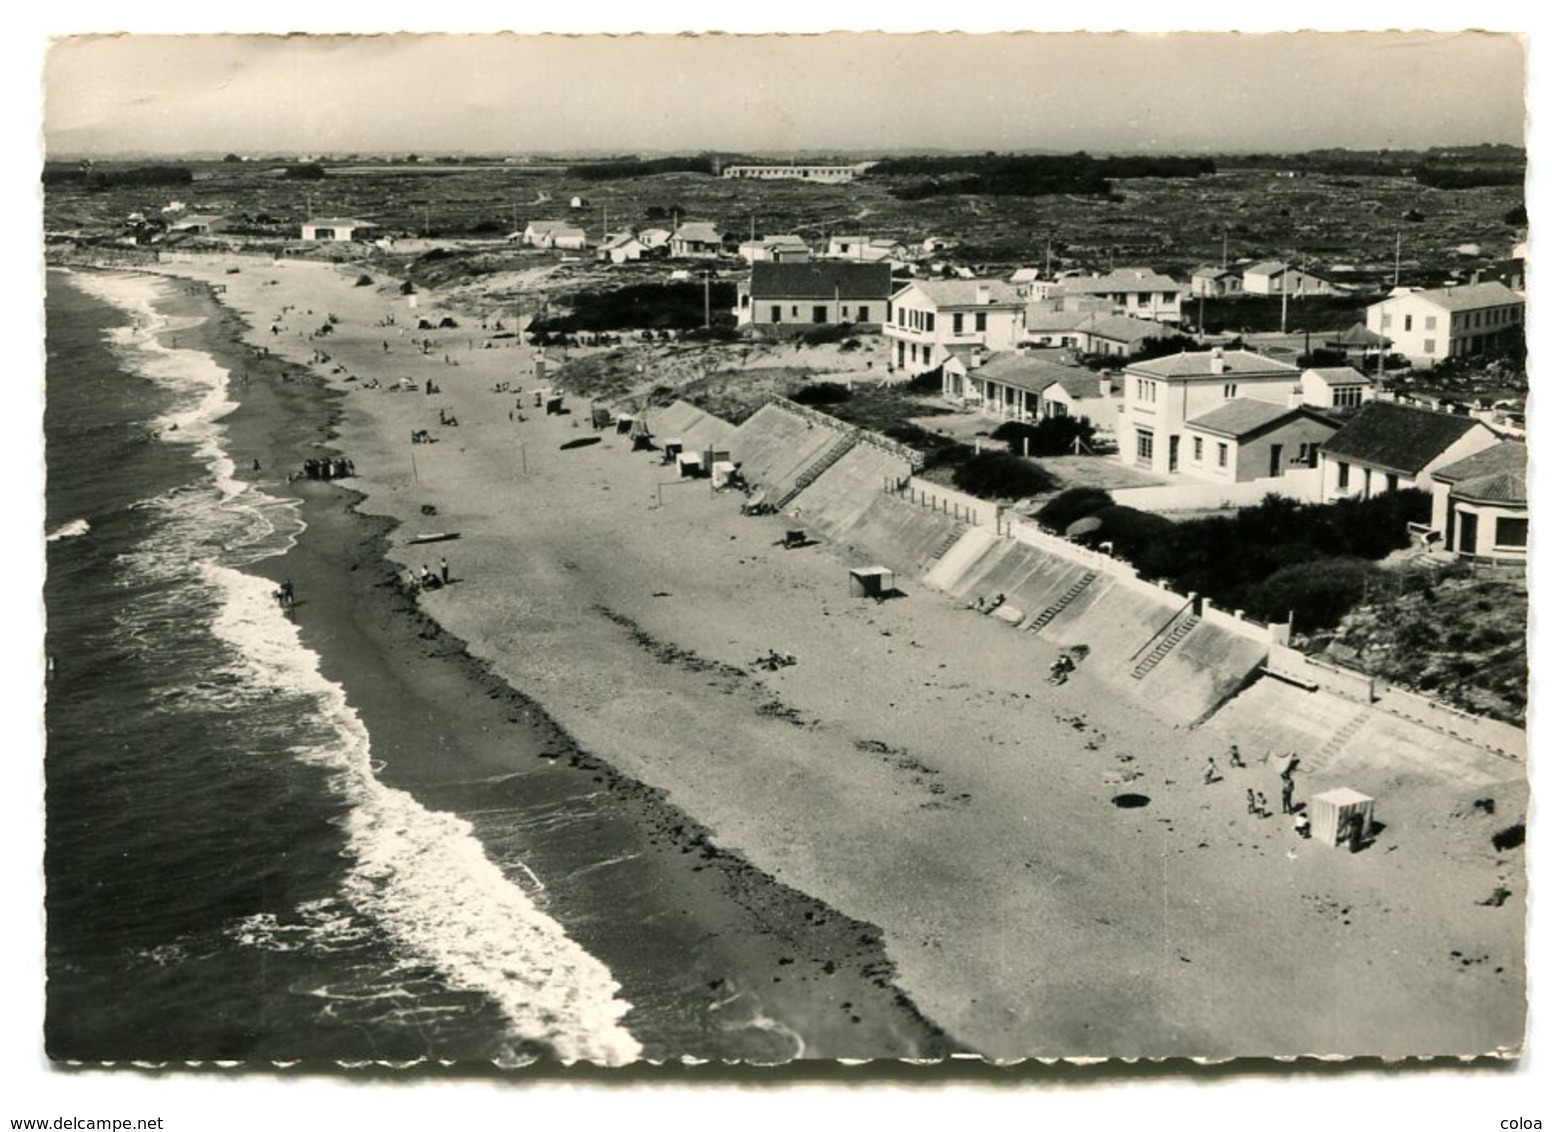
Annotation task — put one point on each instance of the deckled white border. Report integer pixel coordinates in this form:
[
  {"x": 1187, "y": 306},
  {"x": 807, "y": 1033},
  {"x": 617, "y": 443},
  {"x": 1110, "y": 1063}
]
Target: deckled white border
[{"x": 1115, "y": 1096}]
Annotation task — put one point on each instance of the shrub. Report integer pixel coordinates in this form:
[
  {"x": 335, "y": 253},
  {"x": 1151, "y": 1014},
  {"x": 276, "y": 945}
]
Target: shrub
[
  {"x": 1066, "y": 508},
  {"x": 1318, "y": 594},
  {"x": 1142, "y": 538},
  {"x": 363, "y": 280},
  {"x": 1052, "y": 436},
  {"x": 926, "y": 383},
  {"x": 822, "y": 393},
  {"x": 1001, "y": 475},
  {"x": 825, "y": 335}
]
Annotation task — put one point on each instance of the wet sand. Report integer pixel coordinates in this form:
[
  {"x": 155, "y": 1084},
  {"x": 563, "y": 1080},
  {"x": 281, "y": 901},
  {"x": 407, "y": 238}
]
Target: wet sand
[
  {"x": 718, "y": 961},
  {"x": 589, "y": 696}
]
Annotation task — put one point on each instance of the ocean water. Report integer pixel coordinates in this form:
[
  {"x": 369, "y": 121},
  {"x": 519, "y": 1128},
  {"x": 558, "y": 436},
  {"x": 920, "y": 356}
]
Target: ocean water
[{"x": 226, "y": 877}]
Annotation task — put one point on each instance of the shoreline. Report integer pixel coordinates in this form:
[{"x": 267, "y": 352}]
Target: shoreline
[
  {"x": 926, "y": 788},
  {"x": 419, "y": 690}
]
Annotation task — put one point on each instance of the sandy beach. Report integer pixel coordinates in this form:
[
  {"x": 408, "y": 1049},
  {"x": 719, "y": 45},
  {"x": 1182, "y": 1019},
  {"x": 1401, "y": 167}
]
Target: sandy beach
[{"x": 905, "y": 842}]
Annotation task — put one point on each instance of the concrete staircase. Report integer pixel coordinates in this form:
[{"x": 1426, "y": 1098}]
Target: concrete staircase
[
  {"x": 1052, "y": 611},
  {"x": 1334, "y": 746},
  {"x": 948, "y": 540},
  {"x": 818, "y": 468},
  {"x": 1159, "y": 651}
]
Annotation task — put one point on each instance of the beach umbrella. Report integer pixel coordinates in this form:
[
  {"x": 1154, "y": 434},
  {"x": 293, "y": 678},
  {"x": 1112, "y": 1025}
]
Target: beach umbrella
[{"x": 1084, "y": 526}]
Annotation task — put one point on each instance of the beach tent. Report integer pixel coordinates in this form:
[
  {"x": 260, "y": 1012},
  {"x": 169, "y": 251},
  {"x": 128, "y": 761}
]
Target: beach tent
[
  {"x": 640, "y": 434},
  {"x": 722, "y": 473},
  {"x": 601, "y": 417},
  {"x": 672, "y": 447},
  {"x": 872, "y": 581},
  {"x": 689, "y": 463},
  {"x": 623, "y": 422},
  {"x": 553, "y": 404},
  {"x": 1331, "y": 813}
]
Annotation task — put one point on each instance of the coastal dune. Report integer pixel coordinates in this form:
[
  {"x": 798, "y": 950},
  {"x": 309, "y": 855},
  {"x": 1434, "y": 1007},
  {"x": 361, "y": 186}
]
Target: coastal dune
[{"x": 913, "y": 770}]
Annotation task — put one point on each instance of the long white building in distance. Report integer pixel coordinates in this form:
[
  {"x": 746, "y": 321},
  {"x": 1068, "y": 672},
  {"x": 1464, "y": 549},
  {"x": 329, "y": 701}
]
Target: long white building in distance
[{"x": 817, "y": 174}]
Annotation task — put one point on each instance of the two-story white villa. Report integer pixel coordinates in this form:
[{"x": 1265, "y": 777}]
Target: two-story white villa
[
  {"x": 931, "y": 320},
  {"x": 1390, "y": 447},
  {"x": 1161, "y": 395},
  {"x": 1447, "y": 322},
  {"x": 1137, "y": 291}
]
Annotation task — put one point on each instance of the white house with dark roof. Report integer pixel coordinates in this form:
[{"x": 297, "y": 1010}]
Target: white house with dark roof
[
  {"x": 813, "y": 294},
  {"x": 1480, "y": 506},
  {"x": 1137, "y": 291},
  {"x": 1273, "y": 277},
  {"x": 1448, "y": 322},
  {"x": 1005, "y": 383},
  {"x": 1120, "y": 335},
  {"x": 1390, "y": 447},
  {"x": 1161, "y": 395},
  {"x": 1246, "y": 439},
  {"x": 931, "y": 320},
  {"x": 622, "y": 247}
]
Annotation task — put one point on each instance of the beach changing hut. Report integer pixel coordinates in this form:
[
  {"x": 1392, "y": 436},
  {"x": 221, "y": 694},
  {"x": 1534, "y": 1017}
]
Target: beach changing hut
[
  {"x": 1332, "y": 814},
  {"x": 877, "y": 582}
]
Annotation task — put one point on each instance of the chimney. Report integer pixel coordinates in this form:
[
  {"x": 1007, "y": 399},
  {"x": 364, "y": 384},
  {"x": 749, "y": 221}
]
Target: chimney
[
  {"x": 983, "y": 294},
  {"x": 1217, "y": 360}
]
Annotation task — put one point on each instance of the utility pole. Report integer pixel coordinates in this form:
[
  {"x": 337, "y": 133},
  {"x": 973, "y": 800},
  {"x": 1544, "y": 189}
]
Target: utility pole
[
  {"x": 708, "y": 299},
  {"x": 1223, "y": 261},
  {"x": 1395, "y": 276}
]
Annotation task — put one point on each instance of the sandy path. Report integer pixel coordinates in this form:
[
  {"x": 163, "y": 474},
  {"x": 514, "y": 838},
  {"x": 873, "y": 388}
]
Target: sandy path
[{"x": 931, "y": 782}]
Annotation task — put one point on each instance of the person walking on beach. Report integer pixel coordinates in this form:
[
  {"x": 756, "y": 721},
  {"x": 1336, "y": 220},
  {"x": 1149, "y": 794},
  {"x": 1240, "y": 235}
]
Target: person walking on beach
[
  {"x": 446, "y": 574},
  {"x": 1287, "y": 793},
  {"x": 1212, "y": 773},
  {"x": 1261, "y": 805},
  {"x": 1234, "y": 759},
  {"x": 1250, "y": 802},
  {"x": 425, "y": 577}
]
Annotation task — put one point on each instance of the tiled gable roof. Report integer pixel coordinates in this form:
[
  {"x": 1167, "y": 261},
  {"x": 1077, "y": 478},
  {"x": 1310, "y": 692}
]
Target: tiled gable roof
[{"x": 1396, "y": 437}]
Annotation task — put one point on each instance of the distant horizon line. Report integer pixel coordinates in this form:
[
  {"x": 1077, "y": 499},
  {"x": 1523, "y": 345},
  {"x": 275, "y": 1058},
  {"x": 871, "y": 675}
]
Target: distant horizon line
[{"x": 785, "y": 157}]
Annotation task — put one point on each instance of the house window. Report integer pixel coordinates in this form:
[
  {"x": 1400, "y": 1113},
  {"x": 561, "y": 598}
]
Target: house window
[
  {"x": 1343, "y": 476},
  {"x": 1230, "y": 391},
  {"x": 1430, "y": 322},
  {"x": 980, "y": 320},
  {"x": 775, "y": 313},
  {"x": 845, "y": 313},
  {"x": 1428, "y": 345},
  {"x": 1144, "y": 446},
  {"x": 927, "y": 356},
  {"x": 821, "y": 314},
  {"x": 794, "y": 310},
  {"x": 1307, "y": 451},
  {"x": 1407, "y": 325},
  {"x": 959, "y": 324},
  {"x": 1223, "y": 455},
  {"x": 1512, "y": 532},
  {"x": 931, "y": 321},
  {"x": 862, "y": 314},
  {"x": 1196, "y": 449},
  {"x": 1384, "y": 322}
]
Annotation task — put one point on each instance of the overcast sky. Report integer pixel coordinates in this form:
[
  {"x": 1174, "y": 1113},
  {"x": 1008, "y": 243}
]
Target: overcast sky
[{"x": 435, "y": 94}]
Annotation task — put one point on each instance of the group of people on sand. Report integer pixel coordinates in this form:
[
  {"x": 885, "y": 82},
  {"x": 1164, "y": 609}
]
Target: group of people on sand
[
  {"x": 429, "y": 580},
  {"x": 1255, "y": 801},
  {"x": 328, "y": 468}
]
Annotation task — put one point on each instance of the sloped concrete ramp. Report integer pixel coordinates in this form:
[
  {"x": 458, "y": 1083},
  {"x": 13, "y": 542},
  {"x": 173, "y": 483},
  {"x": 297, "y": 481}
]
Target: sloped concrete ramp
[{"x": 773, "y": 447}]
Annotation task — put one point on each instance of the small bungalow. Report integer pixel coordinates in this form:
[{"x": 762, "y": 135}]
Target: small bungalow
[
  {"x": 336, "y": 229},
  {"x": 622, "y": 247},
  {"x": 1358, "y": 341},
  {"x": 1216, "y": 283},
  {"x": 1390, "y": 447},
  {"x": 561, "y": 234},
  {"x": 654, "y": 238},
  {"x": 1119, "y": 335},
  {"x": 1336, "y": 387},
  {"x": 1007, "y": 383},
  {"x": 1246, "y": 439},
  {"x": 695, "y": 240},
  {"x": 775, "y": 249},
  {"x": 1480, "y": 505},
  {"x": 1273, "y": 277}
]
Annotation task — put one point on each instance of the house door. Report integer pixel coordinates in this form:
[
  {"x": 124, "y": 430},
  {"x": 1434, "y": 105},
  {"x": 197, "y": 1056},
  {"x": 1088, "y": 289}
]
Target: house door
[
  {"x": 1468, "y": 533},
  {"x": 1174, "y": 453},
  {"x": 1277, "y": 460}
]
